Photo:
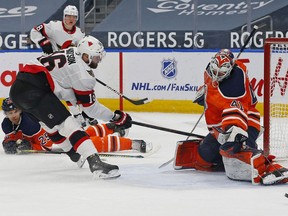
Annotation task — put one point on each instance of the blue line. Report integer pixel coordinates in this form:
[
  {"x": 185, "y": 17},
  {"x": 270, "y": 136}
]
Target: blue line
[
  {"x": 147, "y": 50},
  {"x": 22, "y": 50}
]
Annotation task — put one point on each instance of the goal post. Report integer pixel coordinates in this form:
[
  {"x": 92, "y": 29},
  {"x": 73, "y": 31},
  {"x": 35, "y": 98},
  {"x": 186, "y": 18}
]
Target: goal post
[{"x": 275, "y": 140}]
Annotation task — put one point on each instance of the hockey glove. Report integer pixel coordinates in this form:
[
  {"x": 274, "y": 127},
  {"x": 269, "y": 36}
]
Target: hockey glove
[
  {"x": 46, "y": 46},
  {"x": 10, "y": 147},
  {"x": 233, "y": 137},
  {"x": 91, "y": 121},
  {"x": 122, "y": 119},
  {"x": 80, "y": 119},
  {"x": 23, "y": 145},
  {"x": 200, "y": 96}
]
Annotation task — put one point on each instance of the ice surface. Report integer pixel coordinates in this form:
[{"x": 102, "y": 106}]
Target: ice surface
[{"x": 46, "y": 185}]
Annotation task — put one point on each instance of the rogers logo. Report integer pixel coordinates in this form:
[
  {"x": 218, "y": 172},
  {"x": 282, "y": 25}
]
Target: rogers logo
[
  {"x": 7, "y": 77},
  {"x": 16, "y": 12}
]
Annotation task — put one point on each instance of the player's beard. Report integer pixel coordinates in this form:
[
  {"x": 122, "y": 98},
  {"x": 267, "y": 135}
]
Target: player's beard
[{"x": 93, "y": 65}]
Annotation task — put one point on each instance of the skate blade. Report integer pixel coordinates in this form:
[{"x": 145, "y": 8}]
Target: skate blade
[
  {"x": 149, "y": 147},
  {"x": 98, "y": 174},
  {"x": 81, "y": 162},
  {"x": 276, "y": 180}
]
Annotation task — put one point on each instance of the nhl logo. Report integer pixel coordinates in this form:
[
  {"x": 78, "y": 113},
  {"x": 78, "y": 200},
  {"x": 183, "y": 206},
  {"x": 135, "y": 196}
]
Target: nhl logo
[
  {"x": 50, "y": 116},
  {"x": 169, "y": 68}
]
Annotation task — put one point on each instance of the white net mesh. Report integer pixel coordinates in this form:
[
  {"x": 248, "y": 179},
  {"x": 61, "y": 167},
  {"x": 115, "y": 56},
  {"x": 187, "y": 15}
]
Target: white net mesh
[{"x": 278, "y": 141}]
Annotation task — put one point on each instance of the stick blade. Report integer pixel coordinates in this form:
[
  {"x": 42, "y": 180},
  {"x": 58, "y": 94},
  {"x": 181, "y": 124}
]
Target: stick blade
[{"x": 138, "y": 102}]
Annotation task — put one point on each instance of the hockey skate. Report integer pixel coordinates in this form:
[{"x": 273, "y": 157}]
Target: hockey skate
[
  {"x": 278, "y": 176},
  {"x": 141, "y": 146},
  {"x": 102, "y": 170},
  {"x": 75, "y": 157}
]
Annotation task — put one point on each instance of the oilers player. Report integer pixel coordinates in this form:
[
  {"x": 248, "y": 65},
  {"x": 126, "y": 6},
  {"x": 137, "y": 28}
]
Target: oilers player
[
  {"x": 23, "y": 132},
  {"x": 67, "y": 75},
  {"x": 234, "y": 125},
  {"x": 57, "y": 35}
]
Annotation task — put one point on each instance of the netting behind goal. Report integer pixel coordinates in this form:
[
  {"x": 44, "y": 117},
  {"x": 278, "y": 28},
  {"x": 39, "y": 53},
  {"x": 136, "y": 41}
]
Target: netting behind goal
[{"x": 276, "y": 97}]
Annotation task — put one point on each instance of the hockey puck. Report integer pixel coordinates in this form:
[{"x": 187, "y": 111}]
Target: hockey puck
[{"x": 286, "y": 195}]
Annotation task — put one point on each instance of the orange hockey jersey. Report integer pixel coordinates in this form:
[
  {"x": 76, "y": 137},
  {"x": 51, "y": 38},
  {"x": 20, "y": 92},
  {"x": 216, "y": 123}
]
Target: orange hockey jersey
[
  {"x": 29, "y": 130},
  {"x": 231, "y": 101}
]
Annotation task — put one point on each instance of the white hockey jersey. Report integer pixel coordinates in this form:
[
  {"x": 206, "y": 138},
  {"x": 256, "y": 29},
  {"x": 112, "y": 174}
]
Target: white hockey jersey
[
  {"x": 71, "y": 79},
  {"x": 59, "y": 36}
]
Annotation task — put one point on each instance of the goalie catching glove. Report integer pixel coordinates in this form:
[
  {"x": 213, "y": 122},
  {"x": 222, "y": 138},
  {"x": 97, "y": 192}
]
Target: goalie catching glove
[{"x": 122, "y": 119}]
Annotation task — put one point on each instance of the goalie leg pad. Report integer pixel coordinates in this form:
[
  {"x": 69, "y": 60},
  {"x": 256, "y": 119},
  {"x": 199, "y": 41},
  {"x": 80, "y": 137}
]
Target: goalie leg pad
[
  {"x": 252, "y": 165},
  {"x": 187, "y": 156},
  {"x": 246, "y": 165}
]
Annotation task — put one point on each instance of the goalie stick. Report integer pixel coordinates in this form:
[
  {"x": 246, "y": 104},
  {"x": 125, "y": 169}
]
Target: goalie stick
[
  {"x": 135, "y": 102},
  {"x": 247, "y": 40},
  {"x": 167, "y": 129}
]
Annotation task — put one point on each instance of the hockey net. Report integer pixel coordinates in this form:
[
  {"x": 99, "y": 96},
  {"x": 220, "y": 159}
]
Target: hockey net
[{"x": 276, "y": 97}]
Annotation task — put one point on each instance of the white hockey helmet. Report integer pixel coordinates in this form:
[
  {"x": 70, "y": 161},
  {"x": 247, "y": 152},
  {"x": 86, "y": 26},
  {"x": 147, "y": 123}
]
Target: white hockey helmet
[
  {"x": 220, "y": 66},
  {"x": 70, "y": 10},
  {"x": 92, "y": 47}
]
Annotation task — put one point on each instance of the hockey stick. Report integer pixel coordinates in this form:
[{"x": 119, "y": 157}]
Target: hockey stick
[
  {"x": 169, "y": 161},
  {"x": 135, "y": 102},
  {"x": 167, "y": 129},
  {"x": 61, "y": 152},
  {"x": 247, "y": 40},
  {"x": 196, "y": 123}
]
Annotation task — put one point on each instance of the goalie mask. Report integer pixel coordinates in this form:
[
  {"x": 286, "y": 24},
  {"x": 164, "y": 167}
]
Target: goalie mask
[
  {"x": 70, "y": 10},
  {"x": 227, "y": 52},
  {"x": 220, "y": 67},
  {"x": 93, "y": 48}
]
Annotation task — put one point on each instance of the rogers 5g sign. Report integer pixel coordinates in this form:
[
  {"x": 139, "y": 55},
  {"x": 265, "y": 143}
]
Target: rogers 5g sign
[{"x": 155, "y": 39}]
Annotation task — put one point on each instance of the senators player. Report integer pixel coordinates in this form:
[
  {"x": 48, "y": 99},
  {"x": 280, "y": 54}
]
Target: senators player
[{"x": 57, "y": 35}]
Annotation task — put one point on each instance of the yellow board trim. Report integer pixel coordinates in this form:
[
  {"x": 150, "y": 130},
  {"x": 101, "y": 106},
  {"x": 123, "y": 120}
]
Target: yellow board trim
[{"x": 166, "y": 106}]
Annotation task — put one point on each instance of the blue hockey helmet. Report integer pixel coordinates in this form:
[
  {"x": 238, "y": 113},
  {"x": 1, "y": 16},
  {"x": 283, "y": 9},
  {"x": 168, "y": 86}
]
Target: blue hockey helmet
[{"x": 7, "y": 105}]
